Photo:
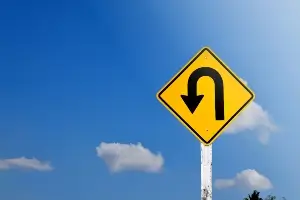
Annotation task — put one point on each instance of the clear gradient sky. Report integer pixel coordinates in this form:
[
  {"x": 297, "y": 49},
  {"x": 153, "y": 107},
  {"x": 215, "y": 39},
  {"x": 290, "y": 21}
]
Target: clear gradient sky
[{"x": 77, "y": 73}]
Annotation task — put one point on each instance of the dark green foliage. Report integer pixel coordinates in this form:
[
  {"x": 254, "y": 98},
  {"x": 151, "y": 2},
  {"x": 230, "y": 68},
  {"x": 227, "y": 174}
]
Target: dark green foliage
[
  {"x": 255, "y": 196},
  {"x": 270, "y": 197}
]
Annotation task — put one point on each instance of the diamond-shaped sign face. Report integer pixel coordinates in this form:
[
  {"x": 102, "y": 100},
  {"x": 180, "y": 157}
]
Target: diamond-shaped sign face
[{"x": 205, "y": 96}]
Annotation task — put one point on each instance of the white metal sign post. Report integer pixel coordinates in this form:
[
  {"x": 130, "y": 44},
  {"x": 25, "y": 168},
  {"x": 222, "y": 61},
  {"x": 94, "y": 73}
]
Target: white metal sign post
[{"x": 206, "y": 172}]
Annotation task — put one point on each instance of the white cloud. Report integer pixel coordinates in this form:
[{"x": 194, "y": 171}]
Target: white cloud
[
  {"x": 25, "y": 163},
  {"x": 253, "y": 118},
  {"x": 249, "y": 179},
  {"x": 224, "y": 183},
  {"x": 121, "y": 157}
]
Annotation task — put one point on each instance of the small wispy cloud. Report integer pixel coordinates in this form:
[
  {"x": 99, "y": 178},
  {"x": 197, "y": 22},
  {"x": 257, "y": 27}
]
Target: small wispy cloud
[
  {"x": 129, "y": 157},
  {"x": 248, "y": 179},
  {"x": 25, "y": 163}
]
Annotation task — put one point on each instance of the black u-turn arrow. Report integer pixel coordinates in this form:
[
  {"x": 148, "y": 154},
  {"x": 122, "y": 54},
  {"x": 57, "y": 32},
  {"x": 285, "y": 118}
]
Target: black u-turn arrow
[{"x": 192, "y": 100}]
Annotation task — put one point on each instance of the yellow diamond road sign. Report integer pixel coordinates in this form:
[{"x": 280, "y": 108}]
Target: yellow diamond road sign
[{"x": 205, "y": 96}]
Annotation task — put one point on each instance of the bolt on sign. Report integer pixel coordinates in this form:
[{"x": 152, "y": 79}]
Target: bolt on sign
[{"x": 205, "y": 96}]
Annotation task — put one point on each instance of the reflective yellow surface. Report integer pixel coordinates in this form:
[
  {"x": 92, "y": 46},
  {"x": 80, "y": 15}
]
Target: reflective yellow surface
[{"x": 202, "y": 122}]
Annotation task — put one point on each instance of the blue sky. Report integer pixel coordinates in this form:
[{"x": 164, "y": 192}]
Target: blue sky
[{"x": 78, "y": 73}]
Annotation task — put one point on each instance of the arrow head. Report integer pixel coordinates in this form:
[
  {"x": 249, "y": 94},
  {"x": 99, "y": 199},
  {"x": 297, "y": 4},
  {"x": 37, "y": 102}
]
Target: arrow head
[{"x": 192, "y": 102}]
